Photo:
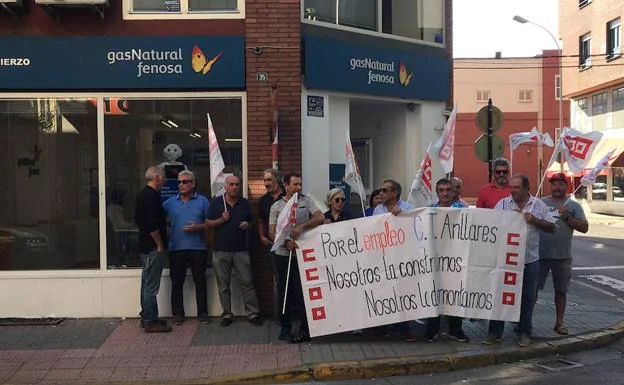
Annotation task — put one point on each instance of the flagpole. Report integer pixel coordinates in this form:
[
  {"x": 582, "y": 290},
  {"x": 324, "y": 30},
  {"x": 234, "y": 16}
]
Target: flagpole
[
  {"x": 287, "y": 281},
  {"x": 571, "y": 195}
]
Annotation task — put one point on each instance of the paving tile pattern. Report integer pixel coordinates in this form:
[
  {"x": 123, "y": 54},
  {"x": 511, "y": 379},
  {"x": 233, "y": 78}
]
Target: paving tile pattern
[{"x": 90, "y": 350}]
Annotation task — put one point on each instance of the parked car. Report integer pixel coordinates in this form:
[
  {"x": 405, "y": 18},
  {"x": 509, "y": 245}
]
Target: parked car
[{"x": 599, "y": 191}]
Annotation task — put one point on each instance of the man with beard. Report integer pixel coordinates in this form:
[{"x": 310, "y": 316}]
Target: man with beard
[
  {"x": 274, "y": 192},
  {"x": 555, "y": 250},
  {"x": 498, "y": 188},
  {"x": 538, "y": 218}
]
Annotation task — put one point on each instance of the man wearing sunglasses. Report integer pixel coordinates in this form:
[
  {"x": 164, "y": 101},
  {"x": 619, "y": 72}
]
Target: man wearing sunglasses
[
  {"x": 187, "y": 213},
  {"x": 498, "y": 188},
  {"x": 392, "y": 203}
]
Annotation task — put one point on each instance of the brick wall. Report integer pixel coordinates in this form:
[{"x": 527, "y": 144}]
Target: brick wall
[
  {"x": 575, "y": 22},
  {"x": 278, "y": 33}
]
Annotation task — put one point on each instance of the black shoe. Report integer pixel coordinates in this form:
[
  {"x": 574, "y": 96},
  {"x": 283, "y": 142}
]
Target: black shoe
[
  {"x": 204, "y": 319},
  {"x": 284, "y": 333},
  {"x": 178, "y": 319},
  {"x": 157, "y": 327},
  {"x": 160, "y": 321},
  {"x": 226, "y": 322},
  {"x": 430, "y": 337},
  {"x": 299, "y": 338},
  {"x": 256, "y": 320},
  {"x": 459, "y": 336}
]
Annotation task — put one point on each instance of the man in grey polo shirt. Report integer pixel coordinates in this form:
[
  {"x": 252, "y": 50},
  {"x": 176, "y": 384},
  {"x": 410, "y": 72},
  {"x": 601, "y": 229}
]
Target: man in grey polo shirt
[
  {"x": 556, "y": 249},
  {"x": 308, "y": 217}
]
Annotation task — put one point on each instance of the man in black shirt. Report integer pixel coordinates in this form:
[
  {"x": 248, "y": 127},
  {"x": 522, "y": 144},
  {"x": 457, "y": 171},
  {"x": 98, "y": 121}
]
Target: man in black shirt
[
  {"x": 231, "y": 250},
  {"x": 150, "y": 218}
]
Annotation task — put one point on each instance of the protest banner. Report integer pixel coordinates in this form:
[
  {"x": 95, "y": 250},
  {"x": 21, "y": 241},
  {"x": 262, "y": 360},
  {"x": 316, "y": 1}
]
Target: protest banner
[{"x": 424, "y": 262}]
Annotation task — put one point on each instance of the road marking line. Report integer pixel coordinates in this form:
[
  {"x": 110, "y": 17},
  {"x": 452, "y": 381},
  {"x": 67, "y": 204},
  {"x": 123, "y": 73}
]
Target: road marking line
[
  {"x": 605, "y": 280},
  {"x": 587, "y": 285},
  {"x": 579, "y": 268}
]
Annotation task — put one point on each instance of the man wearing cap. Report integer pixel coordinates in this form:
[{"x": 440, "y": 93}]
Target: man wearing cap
[{"x": 556, "y": 249}]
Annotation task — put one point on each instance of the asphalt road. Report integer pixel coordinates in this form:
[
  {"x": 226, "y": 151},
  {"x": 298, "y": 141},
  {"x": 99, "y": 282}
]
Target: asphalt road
[{"x": 598, "y": 262}]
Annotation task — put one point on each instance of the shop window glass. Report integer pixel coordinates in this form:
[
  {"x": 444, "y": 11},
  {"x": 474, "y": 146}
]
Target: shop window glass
[
  {"x": 49, "y": 202},
  {"x": 173, "y": 133},
  {"x": 192, "y": 5},
  {"x": 415, "y": 19}
]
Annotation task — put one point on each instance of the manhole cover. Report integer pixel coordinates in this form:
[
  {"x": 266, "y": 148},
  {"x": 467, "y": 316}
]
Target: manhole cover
[
  {"x": 558, "y": 364},
  {"x": 30, "y": 321}
]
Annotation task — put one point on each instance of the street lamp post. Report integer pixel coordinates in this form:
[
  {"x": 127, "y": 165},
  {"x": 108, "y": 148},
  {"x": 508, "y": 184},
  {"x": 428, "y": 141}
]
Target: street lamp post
[{"x": 522, "y": 20}]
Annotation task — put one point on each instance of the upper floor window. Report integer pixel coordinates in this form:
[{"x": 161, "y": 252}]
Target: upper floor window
[
  {"x": 618, "y": 99},
  {"x": 483, "y": 95},
  {"x": 585, "y": 51},
  {"x": 599, "y": 104},
  {"x": 189, "y": 9},
  {"x": 525, "y": 96},
  {"x": 412, "y": 19},
  {"x": 583, "y": 3},
  {"x": 613, "y": 38},
  {"x": 557, "y": 87}
]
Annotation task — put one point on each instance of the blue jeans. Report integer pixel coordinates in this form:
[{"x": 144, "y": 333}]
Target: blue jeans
[
  {"x": 152, "y": 264},
  {"x": 529, "y": 294}
]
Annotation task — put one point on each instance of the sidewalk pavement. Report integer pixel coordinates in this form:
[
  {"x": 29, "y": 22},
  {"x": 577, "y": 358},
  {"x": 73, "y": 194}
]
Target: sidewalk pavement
[{"x": 112, "y": 350}]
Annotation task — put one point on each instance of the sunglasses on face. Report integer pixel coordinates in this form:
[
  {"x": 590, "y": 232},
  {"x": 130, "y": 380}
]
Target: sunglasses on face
[
  {"x": 339, "y": 200},
  {"x": 502, "y": 172},
  {"x": 185, "y": 181}
]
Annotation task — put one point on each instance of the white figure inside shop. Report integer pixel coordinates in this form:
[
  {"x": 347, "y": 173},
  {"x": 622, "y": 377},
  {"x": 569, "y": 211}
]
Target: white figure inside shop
[{"x": 172, "y": 167}]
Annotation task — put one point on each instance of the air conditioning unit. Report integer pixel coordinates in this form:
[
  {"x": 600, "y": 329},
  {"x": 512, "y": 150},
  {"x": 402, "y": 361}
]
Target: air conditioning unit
[
  {"x": 587, "y": 64},
  {"x": 73, "y": 3}
]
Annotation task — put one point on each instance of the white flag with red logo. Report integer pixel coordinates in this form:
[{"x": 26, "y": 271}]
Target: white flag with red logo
[
  {"x": 352, "y": 173},
  {"x": 285, "y": 221},
  {"x": 533, "y": 136},
  {"x": 590, "y": 178},
  {"x": 577, "y": 148},
  {"x": 217, "y": 178},
  {"x": 421, "y": 192},
  {"x": 275, "y": 130},
  {"x": 444, "y": 148}
]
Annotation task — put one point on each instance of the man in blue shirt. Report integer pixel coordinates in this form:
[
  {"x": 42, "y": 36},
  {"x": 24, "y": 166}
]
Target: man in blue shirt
[
  {"x": 187, "y": 213},
  {"x": 446, "y": 198}
]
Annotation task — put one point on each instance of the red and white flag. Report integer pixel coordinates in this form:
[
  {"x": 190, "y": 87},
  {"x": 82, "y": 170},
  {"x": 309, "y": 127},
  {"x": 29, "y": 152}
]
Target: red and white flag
[
  {"x": 590, "y": 178},
  {"x": 286, "y": 220},
  {"x": 217, "y": 178},
  {"x": 533, "y": 136},
  {"x": 274, "y": 130},
  {"x": 352, "y": 175},
  {"x": 577, "y": 148},
  {"x": 421, "y": 192},
  {"x": 444, "y": 148}
]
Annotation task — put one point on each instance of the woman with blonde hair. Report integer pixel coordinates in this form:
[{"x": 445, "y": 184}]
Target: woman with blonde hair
[{"x": 335, "y": 200}]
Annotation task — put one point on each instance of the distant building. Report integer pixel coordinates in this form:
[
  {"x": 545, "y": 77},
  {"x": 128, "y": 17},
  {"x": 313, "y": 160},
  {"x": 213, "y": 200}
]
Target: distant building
[
  {"x": 593, "y": 76},
  {"x": 525, "y": 89}
]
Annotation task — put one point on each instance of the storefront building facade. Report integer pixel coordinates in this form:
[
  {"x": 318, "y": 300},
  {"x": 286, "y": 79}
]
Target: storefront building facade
[
  {"x": 378, "y": 71},
  {"x": 87, "y": 105}
]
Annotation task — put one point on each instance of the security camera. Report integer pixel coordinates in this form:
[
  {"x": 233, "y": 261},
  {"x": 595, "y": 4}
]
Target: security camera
[{"x": 257, "y": 50}]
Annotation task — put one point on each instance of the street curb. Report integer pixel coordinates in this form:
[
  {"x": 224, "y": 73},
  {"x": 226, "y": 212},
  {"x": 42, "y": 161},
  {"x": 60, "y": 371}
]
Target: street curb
[{"x": 401, "y": 366}]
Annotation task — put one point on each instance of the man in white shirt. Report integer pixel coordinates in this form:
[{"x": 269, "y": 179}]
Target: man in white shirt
[{"x": 537, "y": 216}]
